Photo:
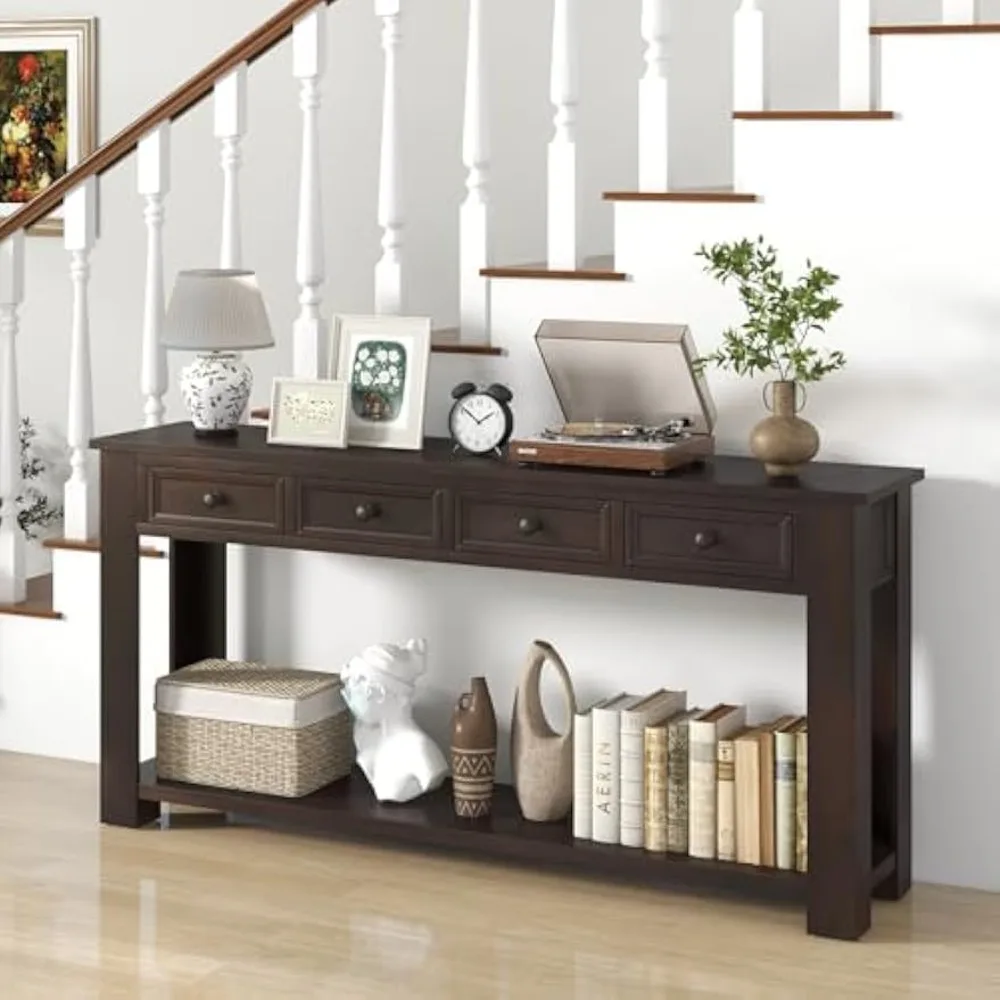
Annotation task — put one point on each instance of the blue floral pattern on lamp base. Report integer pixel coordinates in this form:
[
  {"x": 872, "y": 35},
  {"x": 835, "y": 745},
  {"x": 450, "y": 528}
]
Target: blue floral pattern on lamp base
[{"x": 216, "y": 389}]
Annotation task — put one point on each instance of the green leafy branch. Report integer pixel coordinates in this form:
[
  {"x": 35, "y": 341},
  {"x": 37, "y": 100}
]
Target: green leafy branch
[
  {"x": 35, "y": 510},
  {"x": 780, "y": 317}
]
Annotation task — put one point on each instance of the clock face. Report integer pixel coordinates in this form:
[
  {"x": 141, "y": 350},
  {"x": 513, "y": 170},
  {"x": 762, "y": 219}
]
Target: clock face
[{"x": 478, "y": 423}]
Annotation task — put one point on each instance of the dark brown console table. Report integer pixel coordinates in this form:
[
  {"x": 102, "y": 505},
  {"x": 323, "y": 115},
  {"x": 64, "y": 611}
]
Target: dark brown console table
[{"x": 840, "y": 536}]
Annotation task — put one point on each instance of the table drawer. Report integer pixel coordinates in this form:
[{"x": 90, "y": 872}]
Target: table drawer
[
  {"x": 406, "y": 515},
  {"x": 726, "y": 542},
  {"x": 553, "y": 528},
  {"x": 239, "y": 500}
]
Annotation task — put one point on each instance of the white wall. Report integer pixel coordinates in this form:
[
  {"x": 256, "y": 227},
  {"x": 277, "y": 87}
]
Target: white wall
[{"x": 318, "y": 610}]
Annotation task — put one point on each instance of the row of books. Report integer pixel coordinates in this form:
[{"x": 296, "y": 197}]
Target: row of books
[{"x": 651, "y": 773}]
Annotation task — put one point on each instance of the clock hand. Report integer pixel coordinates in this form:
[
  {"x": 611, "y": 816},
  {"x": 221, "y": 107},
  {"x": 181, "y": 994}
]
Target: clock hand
[{"x": 469, "y": 413}]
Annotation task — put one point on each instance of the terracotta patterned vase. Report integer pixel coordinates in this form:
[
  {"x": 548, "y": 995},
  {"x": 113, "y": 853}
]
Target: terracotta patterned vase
[
  {"x": 542, "y": 759},
  {"x": 474, "y": 752},
  {"x": 784, "y": 442}
]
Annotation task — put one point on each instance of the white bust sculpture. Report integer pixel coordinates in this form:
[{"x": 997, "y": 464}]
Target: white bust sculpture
[{"x": 399, "y": 759}]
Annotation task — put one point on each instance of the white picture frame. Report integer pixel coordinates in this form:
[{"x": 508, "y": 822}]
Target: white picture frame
[
  {"x": 308, "y": 412},
  {"x": 388, "y": 412}
]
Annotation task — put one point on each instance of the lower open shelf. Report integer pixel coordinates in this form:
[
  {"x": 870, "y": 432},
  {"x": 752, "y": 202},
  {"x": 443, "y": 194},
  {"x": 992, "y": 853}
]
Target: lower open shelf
[{"x": 348, "y": 809}]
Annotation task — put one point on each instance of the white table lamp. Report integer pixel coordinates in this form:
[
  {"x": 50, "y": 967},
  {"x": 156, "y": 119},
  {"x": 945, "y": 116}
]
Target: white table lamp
[{"x": 217, "y": 313}]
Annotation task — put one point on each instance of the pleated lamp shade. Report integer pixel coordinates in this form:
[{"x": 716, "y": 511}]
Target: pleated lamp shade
[{"x": 217, "y": 310}]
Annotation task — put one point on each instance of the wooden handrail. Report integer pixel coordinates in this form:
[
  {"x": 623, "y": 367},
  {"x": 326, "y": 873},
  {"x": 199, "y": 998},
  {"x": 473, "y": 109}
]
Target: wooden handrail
[{"x": 258, "y": 43}]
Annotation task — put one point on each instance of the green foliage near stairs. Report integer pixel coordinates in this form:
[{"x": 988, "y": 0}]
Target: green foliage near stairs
[
  {"x": 780, "y": 316},
  {"x": 35, "y": 509}
]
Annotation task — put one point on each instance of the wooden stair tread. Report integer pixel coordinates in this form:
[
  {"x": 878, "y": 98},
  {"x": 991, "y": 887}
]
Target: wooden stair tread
[
  {"x": 94, "y": 545},
  {"x": 716, "y": 195},
  {"x": 984, "y": 28},
  {"x": 597, "y": 268},
  {"x": 449, "y": 341},
  {"x": 814, "y": 116},
  {"x": 38, "y": 603}
]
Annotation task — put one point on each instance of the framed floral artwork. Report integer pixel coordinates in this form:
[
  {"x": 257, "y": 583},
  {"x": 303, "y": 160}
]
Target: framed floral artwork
[
  {"x": 384, "y": 361},
  {"x": 48, "y": 107},
  {"x": 309, "y": 412}
]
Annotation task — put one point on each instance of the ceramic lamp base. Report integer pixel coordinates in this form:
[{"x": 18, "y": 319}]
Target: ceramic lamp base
[{"x": 216, "y": 388}]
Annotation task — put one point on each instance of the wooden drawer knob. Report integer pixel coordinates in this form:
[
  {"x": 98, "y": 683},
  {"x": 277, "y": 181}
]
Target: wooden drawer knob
[
  {"x": 529, "y": 526},
  {"x": 213, "y": 500},
  {"x": 706, "y": 540},
  {"x": 366, "y": 512}
]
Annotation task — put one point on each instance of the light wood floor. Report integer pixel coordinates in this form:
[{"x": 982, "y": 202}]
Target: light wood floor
[{"x": 215, "y": 912}]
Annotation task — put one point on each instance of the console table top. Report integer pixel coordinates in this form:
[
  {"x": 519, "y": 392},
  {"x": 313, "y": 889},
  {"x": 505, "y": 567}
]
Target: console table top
[{"x": 819, "y": 481}]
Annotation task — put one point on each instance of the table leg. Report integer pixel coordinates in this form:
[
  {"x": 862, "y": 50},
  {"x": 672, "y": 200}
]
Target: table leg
[
  {"x": 197, "y": 602},
  {"x": 120, "y": 803},
  {"x": 892, "y": 711},
  {"x": 836, "y": 557}
]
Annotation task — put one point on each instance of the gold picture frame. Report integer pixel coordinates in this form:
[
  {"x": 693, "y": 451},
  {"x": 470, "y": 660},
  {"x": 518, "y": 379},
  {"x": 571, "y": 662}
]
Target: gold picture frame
[{"x": 48, "y": 107}]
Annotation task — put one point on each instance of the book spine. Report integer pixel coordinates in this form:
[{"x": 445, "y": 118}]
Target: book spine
[
  {"x": 583, "y": 777},
  {"x": 702, "y": 790},
  {"x": 726, "y": 802},
  {"x": 655, "y": 815},
  {"x": 606, "y": 801},
  {"x": 747, "y": 802},
  {"x": 767, "y": 849},
  {"x": 784, "y": 799},
  {"x": 802, "y": 801},
  {"x": 678, "y": 781},
  {"x": 632, "y": 780}
]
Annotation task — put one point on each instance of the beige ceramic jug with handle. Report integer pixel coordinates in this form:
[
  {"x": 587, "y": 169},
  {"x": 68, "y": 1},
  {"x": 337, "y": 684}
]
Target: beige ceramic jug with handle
[{"x": 541, "y": 758}]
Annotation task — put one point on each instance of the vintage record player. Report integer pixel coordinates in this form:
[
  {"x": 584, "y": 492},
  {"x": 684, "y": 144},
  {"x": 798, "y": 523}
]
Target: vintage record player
[{"x": 629, "y": 394}]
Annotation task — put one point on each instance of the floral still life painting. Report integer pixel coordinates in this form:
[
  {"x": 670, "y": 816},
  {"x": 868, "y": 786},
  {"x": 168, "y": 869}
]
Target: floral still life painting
[
  {"x": 47, "y": 109},
  {"x": 33, "y": 92},
  {"x": 378, "y": 380}
]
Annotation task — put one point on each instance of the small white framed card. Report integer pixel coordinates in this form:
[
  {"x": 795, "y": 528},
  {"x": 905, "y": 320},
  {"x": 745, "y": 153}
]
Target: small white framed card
[
  {"x": 310, "y": 412},
  {"x": 383, "y": 360}
]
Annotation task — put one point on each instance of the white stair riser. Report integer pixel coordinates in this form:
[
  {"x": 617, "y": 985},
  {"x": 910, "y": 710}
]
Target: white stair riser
[{"x": 51, "y": 669}]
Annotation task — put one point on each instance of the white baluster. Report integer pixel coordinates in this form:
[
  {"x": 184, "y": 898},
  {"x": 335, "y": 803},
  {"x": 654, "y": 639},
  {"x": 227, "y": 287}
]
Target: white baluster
[
  {"x": 960, "y": 11},
  {"x": 562, "y": 149},
  {"x": 389, "y": 270},
  {"x": 654, "y": 114},
  {"x": 81, "y": 490},
  {"x": 474, "y": 217},
  {"x": 230, "y": 128},
  {"x": 750, "y": 92},
  {"x": 855, "y": 55},
  {"x": 12, "y": 571},
  {"x": 309, "y": 66},
  {"x": 154, "y": 185}
]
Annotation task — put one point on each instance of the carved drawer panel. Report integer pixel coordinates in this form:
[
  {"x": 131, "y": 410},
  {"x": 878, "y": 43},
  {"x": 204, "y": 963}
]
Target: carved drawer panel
[
  {"x": 215, "y": 499},
  {"x": 524, "y": 525},
  {"x": 727, "y": 542},
  {"x": 405, "y": 515}
]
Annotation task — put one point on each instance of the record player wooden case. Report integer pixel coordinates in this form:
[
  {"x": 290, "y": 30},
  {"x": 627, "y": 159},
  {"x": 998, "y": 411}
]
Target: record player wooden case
[{"x": 630, "y": 395}]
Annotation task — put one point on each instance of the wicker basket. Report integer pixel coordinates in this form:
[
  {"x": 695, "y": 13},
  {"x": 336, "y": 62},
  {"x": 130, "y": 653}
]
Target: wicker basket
[{"x": 245, "y": 726}]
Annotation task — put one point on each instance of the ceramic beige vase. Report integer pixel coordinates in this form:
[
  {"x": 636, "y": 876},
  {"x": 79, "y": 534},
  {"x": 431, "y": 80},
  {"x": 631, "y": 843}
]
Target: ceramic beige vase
[
  {"x": 474, "y": 752},
  {"x": 541, "y": 758},
  {"x": 784, "y": 442}
]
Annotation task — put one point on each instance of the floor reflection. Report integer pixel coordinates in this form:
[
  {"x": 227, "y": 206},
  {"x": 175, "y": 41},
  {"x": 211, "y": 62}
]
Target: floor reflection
[{"x": 213, "y": 911}]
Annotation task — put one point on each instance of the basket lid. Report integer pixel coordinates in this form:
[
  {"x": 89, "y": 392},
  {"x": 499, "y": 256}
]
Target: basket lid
[
  {"x": 248, "y": 678},
  {"x": 254, "y": 693},
  {"x": 625, "y": 373}
]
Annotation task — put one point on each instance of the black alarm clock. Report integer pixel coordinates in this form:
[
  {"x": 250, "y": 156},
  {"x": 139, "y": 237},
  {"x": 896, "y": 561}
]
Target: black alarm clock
[{"x": 481, "y": 420}]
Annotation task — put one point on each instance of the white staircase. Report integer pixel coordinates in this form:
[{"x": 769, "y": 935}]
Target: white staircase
[{"x": 894, "y": 190}]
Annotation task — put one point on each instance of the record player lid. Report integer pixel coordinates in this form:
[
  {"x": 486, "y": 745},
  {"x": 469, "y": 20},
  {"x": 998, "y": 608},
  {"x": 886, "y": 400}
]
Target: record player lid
[{"x": 639, "y": 373}]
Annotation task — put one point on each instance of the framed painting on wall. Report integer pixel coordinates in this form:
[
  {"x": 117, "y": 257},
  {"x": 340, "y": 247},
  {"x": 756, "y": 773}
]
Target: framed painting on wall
[
  {"x": 384, "y": 361},
  {"x": 48, "y": 107}
]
